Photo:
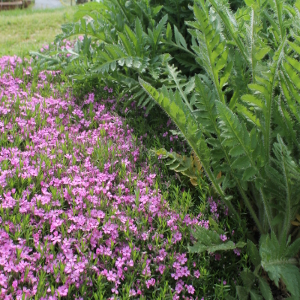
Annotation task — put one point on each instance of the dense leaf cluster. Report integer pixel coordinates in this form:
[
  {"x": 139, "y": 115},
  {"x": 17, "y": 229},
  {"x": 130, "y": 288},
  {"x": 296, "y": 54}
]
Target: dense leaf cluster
[{"x": 242, "y": 120}]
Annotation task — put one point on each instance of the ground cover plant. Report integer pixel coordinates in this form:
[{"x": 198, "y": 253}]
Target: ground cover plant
[
  {"x": 81, "y": 216},
  {"x": 26, "y": 30}
]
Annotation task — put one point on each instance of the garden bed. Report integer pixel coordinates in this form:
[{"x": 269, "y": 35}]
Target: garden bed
[{"x": 80, "y": 216}]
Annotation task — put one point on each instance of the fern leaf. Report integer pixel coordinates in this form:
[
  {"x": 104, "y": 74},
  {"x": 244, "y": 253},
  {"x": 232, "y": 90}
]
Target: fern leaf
[
  {"x": 188, "y": 166},
  {"x": 253, "y": 101},
  {"x": 230, "y": 24},
  {"x": 185, "y": 121},
  {"x": 288, "y": 172},
  {"x": 248, "y": 115},
  {"x": 235, "y": 134},
  {"x": 179, "y": 38},
  {"x": 212, "y": 51}
]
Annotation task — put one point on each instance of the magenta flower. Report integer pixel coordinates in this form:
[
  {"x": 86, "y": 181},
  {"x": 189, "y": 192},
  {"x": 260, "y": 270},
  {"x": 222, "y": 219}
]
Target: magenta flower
[
  {"x": 223, "y": 237},
  {"x": 190, "y": 289},
  {"x": 197, "y": 273}
]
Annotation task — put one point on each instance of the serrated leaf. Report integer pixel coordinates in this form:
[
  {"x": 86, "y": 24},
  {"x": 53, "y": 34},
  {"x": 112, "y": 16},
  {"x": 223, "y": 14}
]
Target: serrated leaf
[
  {"x": 179, "y": 38},
  {"x": 240, "y": 244},
  {"x": 262, "y": 52},
  {"x": 208, "y": 240},
  {"x": 249, "y": 173},
  {"x": 259, "y": 88},
  {"x": 255, "y": 296},
  {"x": 248, "y": 279},
  {"x": 174, "y": 165},
  {"x": 253, "y": 100},
  {"x": 241, "y": 293},
  {"x": 236, "y": 151},
  {"x": 226, "y": 74},
  {"x": 293, "y": 249},
  {"x": 241, "y": 163},
  {"x": 169, "y": 33},
  {"x": 265, "y": 289},
  {"x": 253, "y": 253},
  {"x": 214, "y": 225},
  {"x": 278, "y": 266},
  {"x": 157, "y": 9},
  {"x": 221, "y": 247}
]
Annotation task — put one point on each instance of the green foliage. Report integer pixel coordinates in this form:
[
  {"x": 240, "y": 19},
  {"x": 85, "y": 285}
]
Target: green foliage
[
  {"x": 249, "y": 289},
  {"x": 208, "y": 240},
  {"x": 241, "y": 120},
  {"x": 278, "y": 260},
  {"x": 189, "y": 166},
  {"x": 122, "y": 41},
  {"x": 125, "y": 40}
]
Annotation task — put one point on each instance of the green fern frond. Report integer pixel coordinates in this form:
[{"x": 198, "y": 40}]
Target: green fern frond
[
  {"x": 230, "y": 25},
  {"x": 212, "y": 51},
  {"x": 189, "y": 166},
  {"x": 174, "y": 76},
  {"x": 183, "y": 117},
  {"x": 235, "y": 135},
  {"x": 286, "y": 173}
]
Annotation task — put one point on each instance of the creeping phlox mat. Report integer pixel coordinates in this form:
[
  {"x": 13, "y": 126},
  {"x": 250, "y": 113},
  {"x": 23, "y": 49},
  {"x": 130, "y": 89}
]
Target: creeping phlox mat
[{"x": 78, "y": 220}]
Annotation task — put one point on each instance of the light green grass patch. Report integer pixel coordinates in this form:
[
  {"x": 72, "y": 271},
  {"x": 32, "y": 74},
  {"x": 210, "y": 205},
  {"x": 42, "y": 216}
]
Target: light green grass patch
[{"x": 25, "y": 30}]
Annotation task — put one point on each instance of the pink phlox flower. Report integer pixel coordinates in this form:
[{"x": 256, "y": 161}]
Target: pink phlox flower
[
  {"x": 3, "y": 280},
  {"x": 176, "y": 265},
  {"x": 132, "y": 292},
  {"x": 197, "y": 273},
  {"x": 161, "y": 268},
  {"x": 150, "y": 282},
  {"x": 111, "y": 276},
  {"x": 130, "y": 263},
  {"x": 223, "y": 237},
  {"x": 181, "y": 258},
  {"x": 237, "y": 252},
  {"x": 126, "y": 251},
  {"x": 80, "y": 267},
  {"x": 119, "y": 262},
  {"x": 185, "y": 271},
  {"x": 179, "y": 286},
  {"x": 203, "y": 223},
  {"x": 190, "y": 289},
  {"x": 63, "y": 290},
  {"x": 162, "y": 254}
]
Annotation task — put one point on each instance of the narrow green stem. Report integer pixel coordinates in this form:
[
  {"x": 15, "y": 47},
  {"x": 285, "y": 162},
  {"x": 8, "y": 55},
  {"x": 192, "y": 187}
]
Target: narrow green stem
[
  {"x": 217, "y": 187},
  {"x": 250, "y": 208}
]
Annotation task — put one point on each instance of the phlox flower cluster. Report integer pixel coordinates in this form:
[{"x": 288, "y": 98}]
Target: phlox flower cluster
[{"x": 74, "y": 209}]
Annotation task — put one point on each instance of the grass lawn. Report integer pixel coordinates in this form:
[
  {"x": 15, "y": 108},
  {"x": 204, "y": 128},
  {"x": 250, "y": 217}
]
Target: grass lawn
[{"x": 25, "y": 30}]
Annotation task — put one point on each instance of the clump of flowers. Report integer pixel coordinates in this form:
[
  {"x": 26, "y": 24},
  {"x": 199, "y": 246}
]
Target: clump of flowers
[{"x": 77, "y": 217}]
